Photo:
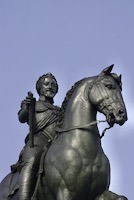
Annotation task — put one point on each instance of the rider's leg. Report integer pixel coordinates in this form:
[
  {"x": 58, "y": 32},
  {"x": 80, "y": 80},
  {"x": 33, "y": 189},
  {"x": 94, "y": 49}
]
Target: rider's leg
[
  {"x": 28, "y": 176},
  {"x": 28, "y": 179}
]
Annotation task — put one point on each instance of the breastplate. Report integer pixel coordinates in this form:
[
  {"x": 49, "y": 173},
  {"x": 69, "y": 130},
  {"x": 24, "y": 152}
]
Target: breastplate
[{"x": 46, "y": 116}]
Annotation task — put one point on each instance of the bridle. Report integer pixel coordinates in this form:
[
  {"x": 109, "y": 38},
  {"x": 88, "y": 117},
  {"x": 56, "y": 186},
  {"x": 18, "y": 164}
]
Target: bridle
[
  {"x": 103, "y": 93},
  {"x": 103, "y": 105}
]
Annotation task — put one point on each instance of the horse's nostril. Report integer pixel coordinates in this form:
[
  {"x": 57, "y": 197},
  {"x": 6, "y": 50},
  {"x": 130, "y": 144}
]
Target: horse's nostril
[{"x": 121, "y": 112}]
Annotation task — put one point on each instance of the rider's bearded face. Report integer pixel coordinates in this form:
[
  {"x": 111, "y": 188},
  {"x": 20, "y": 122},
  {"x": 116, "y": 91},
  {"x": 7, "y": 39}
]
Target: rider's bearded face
[{"x": 48, "y": 87}]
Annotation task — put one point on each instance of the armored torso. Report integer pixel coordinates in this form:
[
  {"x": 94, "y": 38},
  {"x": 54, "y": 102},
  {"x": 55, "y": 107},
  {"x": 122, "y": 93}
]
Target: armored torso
[{"x": 46, "y": 116}]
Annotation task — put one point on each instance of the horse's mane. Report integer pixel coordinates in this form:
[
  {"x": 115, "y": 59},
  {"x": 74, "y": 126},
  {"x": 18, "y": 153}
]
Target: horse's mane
[{"x": 65, "y": 102}]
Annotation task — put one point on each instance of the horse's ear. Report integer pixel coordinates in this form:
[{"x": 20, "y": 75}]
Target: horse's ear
[
  {"x": 120, "y": 77},
  {"x": 107, "y": 70}
]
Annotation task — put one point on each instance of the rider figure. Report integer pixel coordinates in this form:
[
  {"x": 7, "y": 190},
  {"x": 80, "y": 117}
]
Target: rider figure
[{"x": 45, "y": 120}]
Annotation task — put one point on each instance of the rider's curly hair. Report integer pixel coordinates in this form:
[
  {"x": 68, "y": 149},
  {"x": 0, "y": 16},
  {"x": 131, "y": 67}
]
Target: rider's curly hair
[{"x": 41, "y": 80}]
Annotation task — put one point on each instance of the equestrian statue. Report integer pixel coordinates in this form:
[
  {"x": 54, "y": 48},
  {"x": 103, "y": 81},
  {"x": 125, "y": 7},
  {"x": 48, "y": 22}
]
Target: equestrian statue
[{"x": 63, "y": 158}]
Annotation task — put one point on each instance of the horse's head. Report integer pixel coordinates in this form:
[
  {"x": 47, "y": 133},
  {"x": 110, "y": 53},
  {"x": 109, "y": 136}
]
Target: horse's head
[{"x": 105, "y": 95}]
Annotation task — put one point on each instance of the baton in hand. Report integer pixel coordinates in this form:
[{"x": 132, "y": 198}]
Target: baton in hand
[{"x": 31, "y": 109}]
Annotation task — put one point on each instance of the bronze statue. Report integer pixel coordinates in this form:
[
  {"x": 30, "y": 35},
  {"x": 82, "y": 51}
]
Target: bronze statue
[
  {"x": 41, "y": 116},
  {"x": 75, "y": 166}
]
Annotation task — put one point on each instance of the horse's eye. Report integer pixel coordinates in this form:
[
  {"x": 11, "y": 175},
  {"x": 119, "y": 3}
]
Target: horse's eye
[{"x": 109, "y": 86}]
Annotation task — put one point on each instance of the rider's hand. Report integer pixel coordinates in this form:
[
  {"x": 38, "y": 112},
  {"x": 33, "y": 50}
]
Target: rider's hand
[
  {"x": 26, "y": 106},
  {"x": 26, "y": 102}
]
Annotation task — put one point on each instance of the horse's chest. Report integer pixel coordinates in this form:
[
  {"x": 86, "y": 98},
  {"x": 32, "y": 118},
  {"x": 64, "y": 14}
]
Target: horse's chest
[
  {"x": 100, "y": 173},
  {"x": 95, "y": 165},
  {"x": 94, "y": 175},
  {"x": 100, "y": 165},
  {"x": 95, "y": 170}
]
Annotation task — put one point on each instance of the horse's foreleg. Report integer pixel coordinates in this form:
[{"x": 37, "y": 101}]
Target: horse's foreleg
[{"x": 108, "y": 195}]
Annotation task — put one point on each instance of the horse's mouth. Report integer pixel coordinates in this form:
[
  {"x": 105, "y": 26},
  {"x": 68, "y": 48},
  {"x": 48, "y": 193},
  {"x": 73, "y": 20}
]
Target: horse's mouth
[{"x": 112, "y": 119}]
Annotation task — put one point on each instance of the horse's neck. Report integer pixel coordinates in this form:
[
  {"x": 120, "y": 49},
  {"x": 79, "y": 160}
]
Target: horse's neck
[{"x": 79, "y": 111}]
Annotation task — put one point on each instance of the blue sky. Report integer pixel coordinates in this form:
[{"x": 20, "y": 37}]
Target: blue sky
[{"x": 71, "y": 39}]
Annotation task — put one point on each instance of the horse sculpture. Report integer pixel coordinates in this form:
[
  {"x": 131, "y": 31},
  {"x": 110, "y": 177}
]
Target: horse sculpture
[{"x": 75, "y": 166}]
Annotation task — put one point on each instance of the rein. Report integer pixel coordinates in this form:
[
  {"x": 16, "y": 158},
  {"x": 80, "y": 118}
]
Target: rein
[{"x": 87, "y": 126}]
